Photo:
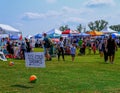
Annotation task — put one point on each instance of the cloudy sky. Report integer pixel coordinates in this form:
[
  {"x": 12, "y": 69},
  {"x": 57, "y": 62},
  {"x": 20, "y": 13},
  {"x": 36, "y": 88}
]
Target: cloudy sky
[{"x": 37, "y": 16}]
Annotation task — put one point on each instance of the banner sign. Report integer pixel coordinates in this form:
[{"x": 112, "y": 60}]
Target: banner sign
[{"x": 35, "y": 59}]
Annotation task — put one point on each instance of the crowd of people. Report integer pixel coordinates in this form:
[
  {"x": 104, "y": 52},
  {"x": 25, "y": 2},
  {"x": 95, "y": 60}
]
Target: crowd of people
[
  {"x": 65, "y": 46},
  {"x": 106, "y": 47},
  {"x": 14, "y": 48}
]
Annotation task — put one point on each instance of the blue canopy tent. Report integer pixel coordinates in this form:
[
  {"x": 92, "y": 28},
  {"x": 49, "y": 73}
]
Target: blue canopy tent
[
  {"x": 54, "y": 35},
  {"x": 80, "y": 34},
  {"x": 14, "y": 37},
  {"x": 38, "y": 36},
  {"x": 114, "y": 35}
]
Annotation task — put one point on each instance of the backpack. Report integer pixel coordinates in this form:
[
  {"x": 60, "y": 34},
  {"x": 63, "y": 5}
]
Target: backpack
[{"x": 50, "y": 42}]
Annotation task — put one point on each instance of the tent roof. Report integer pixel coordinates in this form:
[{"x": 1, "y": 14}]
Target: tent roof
[
  {"x": 38, "y": 35},
  {"x": 70, "y": 32},
  {"x": 83, "y": 34},
  {"x": 108, "y": 30},
  {"x": 95, "y": 33},
  {"x": 54, "y": 31},
  {"x": 8, "y": 28}
]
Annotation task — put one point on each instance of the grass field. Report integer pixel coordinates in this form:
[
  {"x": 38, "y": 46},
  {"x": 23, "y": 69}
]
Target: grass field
[{"x": 88, "y": 74}]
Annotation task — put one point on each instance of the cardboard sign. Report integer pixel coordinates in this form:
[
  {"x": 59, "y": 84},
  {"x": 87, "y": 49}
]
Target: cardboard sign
[{"x": 35, "y": 59}]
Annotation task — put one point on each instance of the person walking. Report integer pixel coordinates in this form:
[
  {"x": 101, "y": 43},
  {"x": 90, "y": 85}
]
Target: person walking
[
  {"x": 112, "y": 47},
  {"x": 47, "y": 46},
  {"x": 105, "y": 51},
  {"x": 61, "y": 49}
]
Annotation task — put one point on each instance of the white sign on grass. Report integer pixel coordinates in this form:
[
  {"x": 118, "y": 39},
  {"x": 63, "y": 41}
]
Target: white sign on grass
[{"x": 35, "y": 59}]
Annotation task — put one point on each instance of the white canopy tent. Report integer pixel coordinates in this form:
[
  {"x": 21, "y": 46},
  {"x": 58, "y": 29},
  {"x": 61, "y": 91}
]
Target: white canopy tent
[
  {"x": 6, "y": 29},
  {"x": 54, "y": 31},
  {"x": 107, "y": 30}
]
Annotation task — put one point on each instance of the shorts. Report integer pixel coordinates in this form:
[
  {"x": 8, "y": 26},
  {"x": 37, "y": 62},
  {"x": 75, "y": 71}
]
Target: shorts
[
  {"x": 111, "y": 52},
  {"x": 73, "y": 55},
  {"x": 46, "y": 51}
]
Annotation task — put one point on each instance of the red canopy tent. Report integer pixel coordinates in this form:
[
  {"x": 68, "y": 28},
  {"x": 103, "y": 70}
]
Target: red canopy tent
[{"x": 69, "y": 32}]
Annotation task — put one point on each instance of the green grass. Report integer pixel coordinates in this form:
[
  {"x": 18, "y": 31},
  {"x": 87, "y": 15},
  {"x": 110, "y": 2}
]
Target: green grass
[{"x": 88, "y": 74}]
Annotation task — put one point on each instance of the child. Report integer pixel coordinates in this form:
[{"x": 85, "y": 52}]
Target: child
[{"x": 73, "y": 51}]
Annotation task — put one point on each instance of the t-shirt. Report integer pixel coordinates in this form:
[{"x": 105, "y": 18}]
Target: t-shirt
[
  {"x": 73, "y": 50},
  {"x": 111, "y": 44},
  {"x": 60, "y": 43},
  {"x": 46, "y": 45}
]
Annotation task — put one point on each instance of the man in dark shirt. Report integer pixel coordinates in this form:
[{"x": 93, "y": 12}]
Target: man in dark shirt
[{"x": 112, "y": 47}]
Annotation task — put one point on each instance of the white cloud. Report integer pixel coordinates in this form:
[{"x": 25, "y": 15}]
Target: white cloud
[
  {"x": 66, "y": 9},
  {"x": 73, "y": 19},
  {"x": 65, "y": 15},
  {"x": 96, "y": 3},
  {"x": 53, "y": 14},
  {"x": 32, "y": 16},
  {"x": 19, "y": 24},
  {"x": 51, "y": 1},
  {"x": 64, "y": 12}
]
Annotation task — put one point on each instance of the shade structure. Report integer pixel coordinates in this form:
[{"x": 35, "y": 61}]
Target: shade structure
[
  {"x": 70, "y": 32},
  {"x": 95, "y": 33},
  {"x": 84, "y": 34},
  {"x": 54, "y": 35},
  {"x": 107, "y": 30},
  {"x": 7, "y": 29},
  {"x": 38, "y": 36},
  {"x": 14, "y": 37},
  {"x": 114, "y": 35},
  {"x": 53, "y": 31}
]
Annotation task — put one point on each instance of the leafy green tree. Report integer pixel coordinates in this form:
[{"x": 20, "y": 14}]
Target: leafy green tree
[
  {"x": 115, "y": 27},
  {"x": 63, "y": 28},
  {"x": 79, "y": 28},
  {"x": 98, "y": 25}
]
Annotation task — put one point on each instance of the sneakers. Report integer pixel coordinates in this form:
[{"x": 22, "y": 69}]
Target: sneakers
[
  {"x": 111, "y": 62},
  {"x": 106, "y": 61}
]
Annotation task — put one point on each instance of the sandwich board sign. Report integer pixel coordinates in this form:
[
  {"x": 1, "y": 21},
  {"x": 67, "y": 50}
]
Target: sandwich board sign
[{"x": 35, "y": 59}]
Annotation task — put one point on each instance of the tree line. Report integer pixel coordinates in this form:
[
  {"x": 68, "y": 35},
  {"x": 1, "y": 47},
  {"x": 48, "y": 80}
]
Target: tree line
[{"x": 97, "y": 25}]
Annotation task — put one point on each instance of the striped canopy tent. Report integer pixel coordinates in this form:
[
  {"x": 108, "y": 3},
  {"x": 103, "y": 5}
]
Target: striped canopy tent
[{"x": 95, "y": 33}]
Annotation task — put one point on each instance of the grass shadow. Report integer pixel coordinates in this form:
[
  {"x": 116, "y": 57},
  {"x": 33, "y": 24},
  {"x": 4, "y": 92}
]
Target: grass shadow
[{"x": 21, "y": 86}]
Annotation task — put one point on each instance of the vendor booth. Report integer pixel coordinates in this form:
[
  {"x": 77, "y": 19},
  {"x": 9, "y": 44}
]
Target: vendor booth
[{"x": 10, "y": 31}]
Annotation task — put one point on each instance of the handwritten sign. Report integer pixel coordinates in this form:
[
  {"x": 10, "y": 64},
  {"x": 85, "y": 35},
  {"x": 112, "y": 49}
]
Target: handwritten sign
[{"x": 35, "y": 59}]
